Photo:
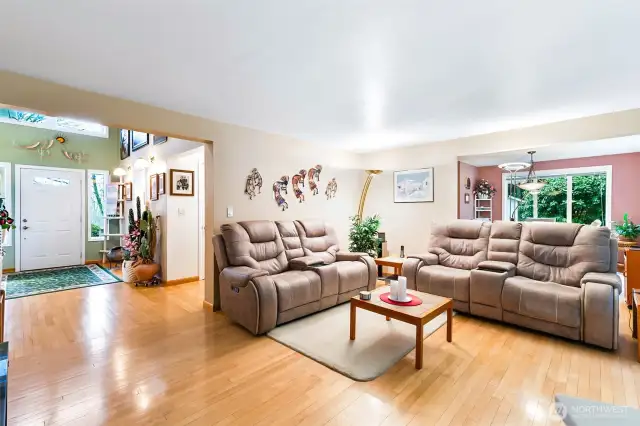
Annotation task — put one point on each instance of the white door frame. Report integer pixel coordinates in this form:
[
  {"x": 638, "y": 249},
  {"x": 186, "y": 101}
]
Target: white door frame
[{"x": 17, "y": 195}]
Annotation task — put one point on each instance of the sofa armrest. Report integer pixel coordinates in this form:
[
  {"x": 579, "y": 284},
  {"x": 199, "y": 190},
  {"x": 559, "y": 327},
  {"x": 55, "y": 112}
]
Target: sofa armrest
[
  {"x": 610, "y": 279},
  {"x": 302, "y": 263},
  {"x": 349, "y": 256},
  {"x": 497, "y": 266},
  {"x": 427, "y": 258},
  {"x": 239, "y": 276}
]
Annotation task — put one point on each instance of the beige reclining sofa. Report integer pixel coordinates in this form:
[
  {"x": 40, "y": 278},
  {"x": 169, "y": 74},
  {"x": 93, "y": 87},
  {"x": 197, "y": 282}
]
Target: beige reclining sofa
[
  {"x": 274, "y": 272},
  {"x": 559, "y": 278}
]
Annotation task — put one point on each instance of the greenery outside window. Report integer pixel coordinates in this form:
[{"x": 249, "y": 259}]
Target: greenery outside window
[
  {"x": 580, "y": 195},
  {"x": 97, "y": 187},
  {"x": 5, "y": 193},
  {"x": 60, "y": 124}
]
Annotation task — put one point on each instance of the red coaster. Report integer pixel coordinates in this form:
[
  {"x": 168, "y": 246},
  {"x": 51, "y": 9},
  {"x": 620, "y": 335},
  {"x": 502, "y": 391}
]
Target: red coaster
[{"x": 415, "y": 300}]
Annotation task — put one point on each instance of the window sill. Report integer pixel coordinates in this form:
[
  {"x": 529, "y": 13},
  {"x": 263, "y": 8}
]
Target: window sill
[{"x": 96, "y": 239}]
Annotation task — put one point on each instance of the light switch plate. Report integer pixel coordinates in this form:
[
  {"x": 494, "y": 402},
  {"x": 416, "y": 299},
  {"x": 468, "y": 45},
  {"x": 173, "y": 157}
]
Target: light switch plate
[{"x": 229, "y": 211}]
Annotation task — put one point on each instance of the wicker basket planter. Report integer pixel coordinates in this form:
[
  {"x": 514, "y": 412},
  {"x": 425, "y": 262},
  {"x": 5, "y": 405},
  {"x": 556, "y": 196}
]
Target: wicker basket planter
[{"x": 143, "y": 272}]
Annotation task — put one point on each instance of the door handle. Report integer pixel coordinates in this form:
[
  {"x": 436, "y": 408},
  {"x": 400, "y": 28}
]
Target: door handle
[{"x": 25, "y": 227}]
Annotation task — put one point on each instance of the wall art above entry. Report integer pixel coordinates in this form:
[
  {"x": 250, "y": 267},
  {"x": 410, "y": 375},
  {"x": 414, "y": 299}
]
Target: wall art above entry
[
  {"x": 139, "y": 140},
  {"x": 314, "y": 177},
  {"x": 413, "y": 186},
  {"x": 125, "y": 144},
  {"x": 253, "y": 182}
]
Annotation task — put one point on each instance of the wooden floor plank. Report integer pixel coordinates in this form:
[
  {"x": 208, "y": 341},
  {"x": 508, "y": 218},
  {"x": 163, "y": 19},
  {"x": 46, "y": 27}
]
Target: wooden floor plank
[{"x": 121, "y": 355}]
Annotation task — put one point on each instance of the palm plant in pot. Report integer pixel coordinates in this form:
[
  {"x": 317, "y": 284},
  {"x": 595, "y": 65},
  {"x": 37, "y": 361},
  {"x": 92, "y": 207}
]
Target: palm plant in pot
[
  {"x": 139, "y": 247},
  {"x": 363, "y": 235},
  {"x": 627, "y": 230}
]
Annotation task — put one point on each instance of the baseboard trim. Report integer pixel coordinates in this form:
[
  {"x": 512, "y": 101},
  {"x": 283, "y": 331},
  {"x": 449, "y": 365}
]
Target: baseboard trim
[
  {"x": 182, "y": 280},
  {"x": 8, "y": 270},
  {"x": 88, "y": 262},
  {"x": 207, "y": 305}
]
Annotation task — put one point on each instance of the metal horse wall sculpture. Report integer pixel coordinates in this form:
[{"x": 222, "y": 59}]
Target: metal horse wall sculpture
[
  {"x": 279, "y": 187},
  {"x": 254, "y": 180}
]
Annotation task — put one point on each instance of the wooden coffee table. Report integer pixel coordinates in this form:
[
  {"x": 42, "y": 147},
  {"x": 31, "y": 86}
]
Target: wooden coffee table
[{"x": 431, "y": 307}]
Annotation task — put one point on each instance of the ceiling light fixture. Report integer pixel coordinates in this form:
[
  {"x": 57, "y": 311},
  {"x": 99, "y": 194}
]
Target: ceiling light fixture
[
  {"x": 512, "y": 199},
  {"x": 119, "y": 171},
  {"x": 532, "y": 184}
]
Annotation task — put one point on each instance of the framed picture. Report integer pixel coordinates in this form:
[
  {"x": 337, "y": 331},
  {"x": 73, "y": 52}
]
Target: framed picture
[
  {"x": 157, "y": 140},
  {"x": 139, "y": 140},
  {"x": 153, "y": 187},
  {"x": 161, "y": 187},
  {"x": 128, "y": 191},
  {"x": 181, "y": 182},
  {"x": 125, "y": 144},
  {"x": 413, "y": 186}
]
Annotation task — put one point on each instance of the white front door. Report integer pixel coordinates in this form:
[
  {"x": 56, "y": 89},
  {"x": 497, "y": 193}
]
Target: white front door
[{"x": 51, "y": 218}]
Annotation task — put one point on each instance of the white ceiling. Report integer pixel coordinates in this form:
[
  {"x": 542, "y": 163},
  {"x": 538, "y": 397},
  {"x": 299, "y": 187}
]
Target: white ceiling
[
  {"x": 356, "y": 74},
  {"x": 558, "y": 151}
]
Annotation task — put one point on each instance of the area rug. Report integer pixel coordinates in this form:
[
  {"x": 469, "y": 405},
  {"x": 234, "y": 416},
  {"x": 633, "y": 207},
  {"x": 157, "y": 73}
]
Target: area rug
[
  {"x": 20, "y": 284},
  {"x": 379, "y": 344}
]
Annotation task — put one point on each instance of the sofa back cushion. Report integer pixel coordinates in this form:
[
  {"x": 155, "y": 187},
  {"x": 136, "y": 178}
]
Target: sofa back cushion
[
  {"x": 504, "y": 241},
  {"x": 461, "y": 244},
  {"x": 290, "y": 239},
  {"x": 256, "y": 244},
  {"x": 318, "y": 239},
  {"x": 563, "y": 252}
]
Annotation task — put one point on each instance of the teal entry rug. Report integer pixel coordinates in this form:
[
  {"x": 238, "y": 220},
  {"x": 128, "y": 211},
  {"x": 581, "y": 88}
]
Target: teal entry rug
[{"x": 20, "y": 284}]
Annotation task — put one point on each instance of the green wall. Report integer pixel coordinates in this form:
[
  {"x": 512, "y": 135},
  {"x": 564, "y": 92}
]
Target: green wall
[{"x": 103, "y": 154}]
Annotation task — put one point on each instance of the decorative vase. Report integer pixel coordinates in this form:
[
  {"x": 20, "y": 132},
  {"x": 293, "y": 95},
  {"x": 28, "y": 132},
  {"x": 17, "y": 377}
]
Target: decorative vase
[
  {"x": 483, "y": 196},
  {"x": 146, "y": 271},
  {"x": 128, "y": 272}
]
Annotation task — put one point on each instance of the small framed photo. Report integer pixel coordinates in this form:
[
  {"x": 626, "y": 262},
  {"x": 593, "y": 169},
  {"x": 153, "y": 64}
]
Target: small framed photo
[
  {"x": 181, "y": 182},
  {"x": 413, "y": 186},
  {"x": 157, "y": 140},
  {"x": 128, "y": 191},
  {"x": 139, "y": 140},
  {"x": 153, "y": 188},
  {"x": 125, "y": 144},
  {"x": 161, "y": 186}
]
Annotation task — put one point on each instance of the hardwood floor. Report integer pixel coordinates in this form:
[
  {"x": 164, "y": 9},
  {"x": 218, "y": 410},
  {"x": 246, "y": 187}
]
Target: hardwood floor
[{"x": 117, "y": 354}]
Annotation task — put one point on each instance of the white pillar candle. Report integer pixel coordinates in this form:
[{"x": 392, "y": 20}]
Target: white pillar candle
[
  {"x": 402, "y": 288},
  {"x": 394, "y": 289}
]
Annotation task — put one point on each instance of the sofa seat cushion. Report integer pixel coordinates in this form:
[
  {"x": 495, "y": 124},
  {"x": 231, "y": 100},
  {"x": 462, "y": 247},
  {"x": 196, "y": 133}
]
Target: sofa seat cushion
[
  {"x": 296, "y": 288},
  {"x": 351, "y": 275},
  {"x": 444, "y": 281},
  {"x": 544, "y": 300}
]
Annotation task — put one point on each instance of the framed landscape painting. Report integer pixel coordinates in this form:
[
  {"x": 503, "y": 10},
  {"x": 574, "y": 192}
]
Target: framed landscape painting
[
  {"x": 413, "y": 186},
  {"x": 139, "y": 140}
]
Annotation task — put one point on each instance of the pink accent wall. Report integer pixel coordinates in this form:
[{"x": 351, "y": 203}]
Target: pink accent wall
[
  {"x": 465, "y": 211},
  {"x": 625, "y": 197}
]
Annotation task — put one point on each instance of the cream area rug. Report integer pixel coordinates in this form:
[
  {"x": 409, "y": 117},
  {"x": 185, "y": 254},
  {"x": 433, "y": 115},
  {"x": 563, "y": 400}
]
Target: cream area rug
[{"x": 379, "y": 344}]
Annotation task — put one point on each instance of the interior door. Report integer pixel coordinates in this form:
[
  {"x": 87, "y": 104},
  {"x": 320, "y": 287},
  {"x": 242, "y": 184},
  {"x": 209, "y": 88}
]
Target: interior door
[
  {"x": 50, "y": 218},
  {"x": 201, "y": 219}
]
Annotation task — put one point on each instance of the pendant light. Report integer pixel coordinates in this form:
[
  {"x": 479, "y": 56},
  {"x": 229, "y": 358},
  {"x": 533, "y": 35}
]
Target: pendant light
[{"x": 532, "y": 184}]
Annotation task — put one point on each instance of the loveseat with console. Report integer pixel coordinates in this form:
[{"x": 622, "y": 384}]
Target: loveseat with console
[
  {"x": 271, "y": 273},
  {"x": 559, "y": 278}
]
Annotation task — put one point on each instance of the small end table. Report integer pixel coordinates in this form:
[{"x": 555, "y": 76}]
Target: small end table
[{"x": 393, "y": 262}]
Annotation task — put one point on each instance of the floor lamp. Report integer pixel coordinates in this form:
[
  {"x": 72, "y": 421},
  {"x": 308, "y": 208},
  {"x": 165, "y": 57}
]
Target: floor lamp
[{"x": 365, "y": 189}]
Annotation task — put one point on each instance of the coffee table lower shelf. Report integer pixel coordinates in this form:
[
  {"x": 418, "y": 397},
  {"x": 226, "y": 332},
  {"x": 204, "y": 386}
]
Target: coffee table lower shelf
[{"x": 416, "y": 315}]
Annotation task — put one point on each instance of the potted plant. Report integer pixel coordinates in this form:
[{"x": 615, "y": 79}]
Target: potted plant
[
  {"x": 483, "y": 190},
  {"x": 139, "y": 247},
  {"x": 6, "y": 223},
  {"x": 627, "y": 230},
  {"x": 363, "y": 235}
]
